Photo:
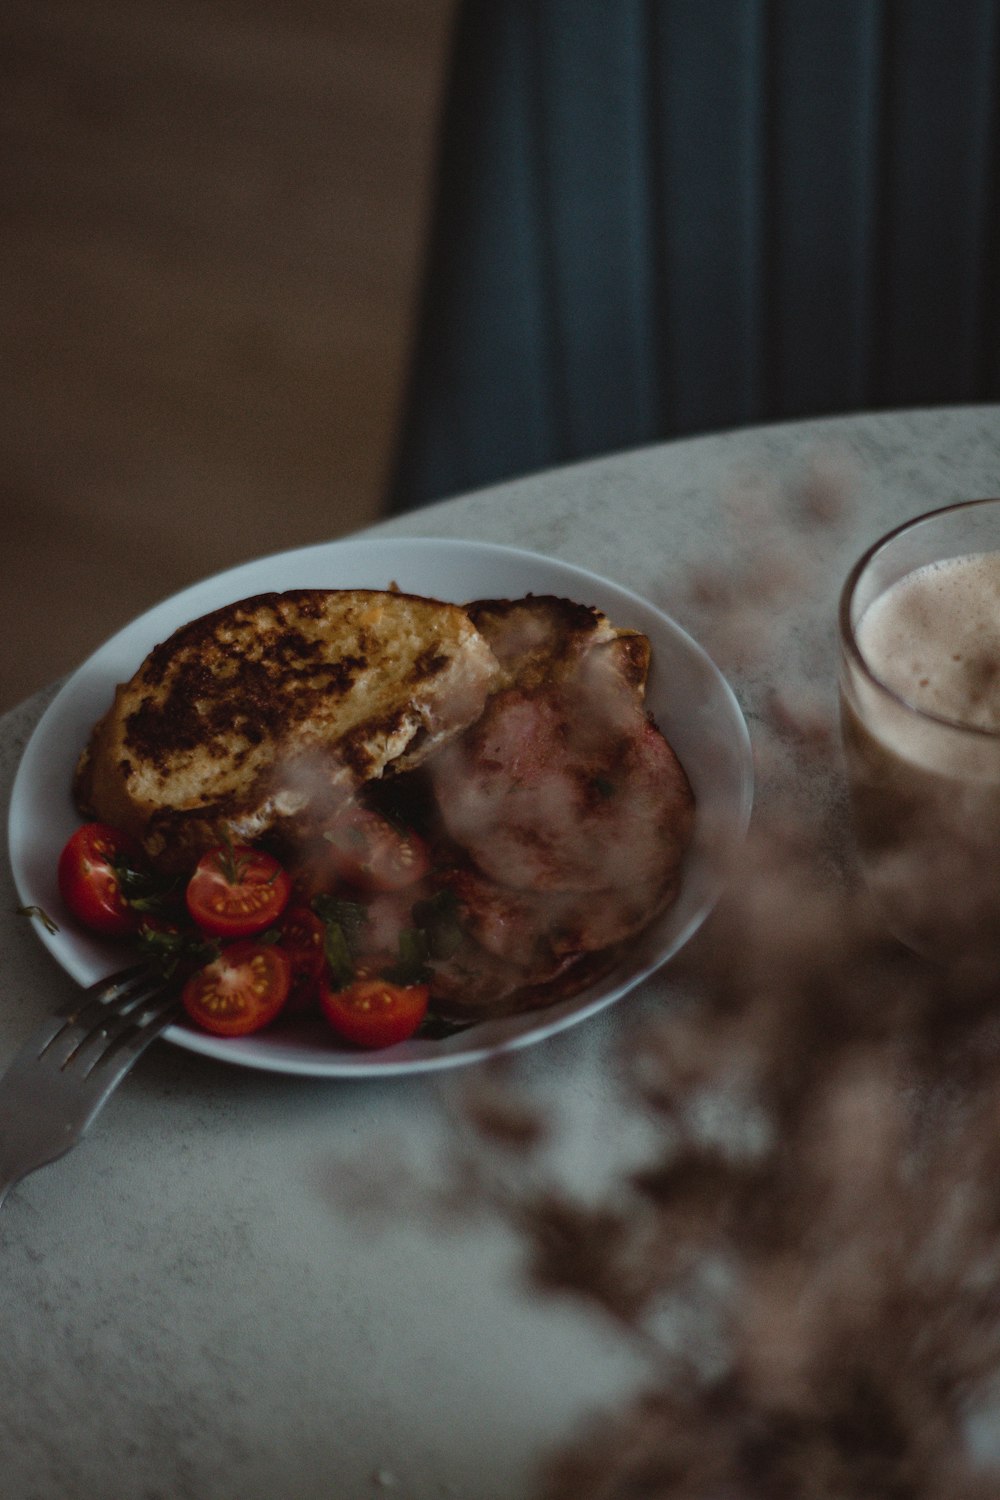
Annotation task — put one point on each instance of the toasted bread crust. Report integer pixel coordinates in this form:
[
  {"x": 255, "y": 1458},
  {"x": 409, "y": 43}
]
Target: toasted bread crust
[
  {"x": 542, "y": 638},
  {"x": 246, "y": 714}
]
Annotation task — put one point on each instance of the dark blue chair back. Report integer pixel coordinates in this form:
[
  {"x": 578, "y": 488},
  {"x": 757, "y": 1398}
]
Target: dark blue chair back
[{"x": 662, "y": 217}]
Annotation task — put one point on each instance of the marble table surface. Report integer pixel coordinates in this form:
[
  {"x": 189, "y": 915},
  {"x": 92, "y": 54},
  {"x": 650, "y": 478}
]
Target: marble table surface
[{"x": 194, "y": 1307}]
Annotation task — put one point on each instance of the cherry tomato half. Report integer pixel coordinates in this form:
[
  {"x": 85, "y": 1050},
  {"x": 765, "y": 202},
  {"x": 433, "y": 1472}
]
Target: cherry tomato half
[
  {"x": 373, "y": 1012},
  {"x": 88, "y": 881},
  {"x": 241, "y": 990},
  {"x": 302, "y": 937},
  {"x": 237, "y": 891},
  {"x": 369, "y": 852}
]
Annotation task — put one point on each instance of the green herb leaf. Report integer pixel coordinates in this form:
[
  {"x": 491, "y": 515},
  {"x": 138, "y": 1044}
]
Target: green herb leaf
[
  {"x": 350, "y": 916},
  {"x": 436, "y": 1028},
  {"x": 439, "y": 919},
  {"x": 231, "y": 868},
  {"x": 171, "y": 951},
  {"x": 41, "y": 914},
  {"x": 145, "y": 891},
  {"x": 411, "y": 964},
  {"x": 338, "y": 955},
  {"x": 343, "y": 921}
]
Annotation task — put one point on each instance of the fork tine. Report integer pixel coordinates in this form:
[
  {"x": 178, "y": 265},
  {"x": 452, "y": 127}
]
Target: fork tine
[
  {"x": 113, "y": 1046},
  {"x": 62, "y": 1076},
  {"x": 66, "y": 1032}
]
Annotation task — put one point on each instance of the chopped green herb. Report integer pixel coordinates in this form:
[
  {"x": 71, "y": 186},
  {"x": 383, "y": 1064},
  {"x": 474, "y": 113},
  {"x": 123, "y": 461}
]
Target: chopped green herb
[
  {"x": 411, "y": 963},
  {"x": 41, "y": 914},
  {"x": 145, "y": 891},
  {"x": 338, "y": 954},
  {"x": 351, "y": 916},
  {"x": 170, "y": 951},
  {"x": 233, "y": 869},
  {"x": 436, "y": 1028},
  {"x": 343, "y": 921},
  {"x": 439, "y": 920}
]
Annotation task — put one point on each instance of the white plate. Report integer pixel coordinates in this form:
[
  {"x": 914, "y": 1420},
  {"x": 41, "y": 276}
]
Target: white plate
[{"x": 688, "y": 697}]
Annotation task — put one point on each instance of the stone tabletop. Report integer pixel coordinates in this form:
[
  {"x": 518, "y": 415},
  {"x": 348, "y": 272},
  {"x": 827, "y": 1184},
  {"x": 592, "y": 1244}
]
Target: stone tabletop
[{"x": 202, "y": 1302}]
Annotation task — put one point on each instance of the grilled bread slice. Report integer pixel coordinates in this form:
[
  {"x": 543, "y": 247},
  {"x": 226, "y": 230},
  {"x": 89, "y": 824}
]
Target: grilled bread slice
[
  {"x": 276, "y": 705},
  {"x": 542, "y": 639}
]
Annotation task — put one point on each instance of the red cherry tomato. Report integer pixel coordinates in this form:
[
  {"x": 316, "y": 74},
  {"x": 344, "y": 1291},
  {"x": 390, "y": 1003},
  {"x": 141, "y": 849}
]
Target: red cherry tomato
[
  {"x": 241, "y": 990},
  {"x": 302, "y": 937},
  {"x": 89, "y": 883},
  {"x": 237, "y": 891},
  {"x": 369, "y": 852},
  {"x": 373, "y": 1012}
]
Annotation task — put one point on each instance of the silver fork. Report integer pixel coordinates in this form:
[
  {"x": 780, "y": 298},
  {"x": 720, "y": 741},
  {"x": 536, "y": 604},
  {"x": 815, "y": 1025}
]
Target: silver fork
[{"x": 58, "y": 1082}]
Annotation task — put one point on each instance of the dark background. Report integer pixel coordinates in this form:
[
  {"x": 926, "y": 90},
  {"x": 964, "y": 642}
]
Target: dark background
[{"x": 210, "y": 224}]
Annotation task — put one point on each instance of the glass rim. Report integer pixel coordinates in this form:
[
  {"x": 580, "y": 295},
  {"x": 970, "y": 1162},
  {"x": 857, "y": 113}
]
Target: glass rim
[{"x": 849, "y": 640}]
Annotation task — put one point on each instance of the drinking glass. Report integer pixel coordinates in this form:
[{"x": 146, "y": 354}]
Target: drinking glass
[{"x": 925, "y": 785}]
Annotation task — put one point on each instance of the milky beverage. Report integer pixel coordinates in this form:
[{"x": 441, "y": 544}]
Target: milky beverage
[{"x": 923, "y": 751}]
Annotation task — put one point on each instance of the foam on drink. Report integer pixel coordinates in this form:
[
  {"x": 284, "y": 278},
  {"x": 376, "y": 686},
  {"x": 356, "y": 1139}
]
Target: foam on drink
[
  {"x": 934, "y": 638},
  {"x": 924, "y": 757}
]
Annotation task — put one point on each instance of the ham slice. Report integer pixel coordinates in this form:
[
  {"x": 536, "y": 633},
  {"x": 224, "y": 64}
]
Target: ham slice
[
  {"x": 557, "y": 790},
  {"x": 566, "y": 812}
]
